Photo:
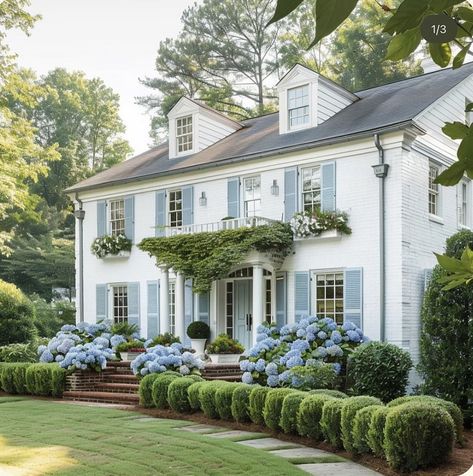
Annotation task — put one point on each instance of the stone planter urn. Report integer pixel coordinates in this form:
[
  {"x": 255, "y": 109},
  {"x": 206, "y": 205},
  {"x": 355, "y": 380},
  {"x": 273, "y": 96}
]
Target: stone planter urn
[
  {"x": 129, "y": 356},
  {"x": 199, "y": 346},
  {"x": 224, "y": 358}
]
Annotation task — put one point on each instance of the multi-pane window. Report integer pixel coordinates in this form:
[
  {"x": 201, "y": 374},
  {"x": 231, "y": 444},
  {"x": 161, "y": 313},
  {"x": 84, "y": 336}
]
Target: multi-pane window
[
  {"x": 298, "y": 106},
  {"x": 267, "y": 303},
  {"x": 468, "y": 114},
  {"x": 172, "y": 307},
  {"x": 229, "y": 308},
  {"x": 434, "y": 190},
  {"x": 252, "y": 196},
  {"x": 175, "y": 208},
  {"x": 120, "y": 304},
  {"x": 184, "y": 135},
  {"x": 329, "y": 296},
  {"x": 311, "y": 190},
  {"x": 464, "y": 204},
  {"x": 117, "y": 217}
]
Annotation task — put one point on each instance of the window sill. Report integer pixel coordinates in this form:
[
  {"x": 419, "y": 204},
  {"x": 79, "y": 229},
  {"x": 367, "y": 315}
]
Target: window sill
[
  {"x": 436, "y": 219},
  {"x": 120, "y": 255},
  {"x": 325, "y": 236}
]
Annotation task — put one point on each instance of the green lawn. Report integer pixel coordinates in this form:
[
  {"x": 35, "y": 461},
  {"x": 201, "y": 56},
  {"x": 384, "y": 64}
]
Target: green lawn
[{"x": 46, "y": 438}]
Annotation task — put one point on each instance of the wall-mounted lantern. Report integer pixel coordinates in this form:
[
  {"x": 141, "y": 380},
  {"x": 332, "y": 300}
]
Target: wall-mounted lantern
[
  {"x": 203, "y": 200},
  {"x": 275, "y": 188}
]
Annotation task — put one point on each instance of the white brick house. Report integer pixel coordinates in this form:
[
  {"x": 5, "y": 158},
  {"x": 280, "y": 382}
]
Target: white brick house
[{"x": 319, "y": 150}]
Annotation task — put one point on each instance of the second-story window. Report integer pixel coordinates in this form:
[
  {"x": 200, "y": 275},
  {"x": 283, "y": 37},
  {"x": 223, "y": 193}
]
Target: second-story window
[
  {"x": 311, "y": 190},
  {"x": 434, "y": 190},
  {"x": 468, "y": 114},
  {"x": 184, "y": 135},
  {"x": 298, "y": 106},
  {"x": 464, "y": 204},
  {"x": 252, "y": 196},
  {"x": 117, "y": 217},
  {"x": 175, "y": 208}
]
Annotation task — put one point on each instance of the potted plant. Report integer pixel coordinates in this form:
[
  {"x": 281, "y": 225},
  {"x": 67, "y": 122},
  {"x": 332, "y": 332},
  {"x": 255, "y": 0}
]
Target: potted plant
[
  {"x": 225, "y": 350},
  {"x": 198, "y": 333},
  {"x": 130, "y": 350}
]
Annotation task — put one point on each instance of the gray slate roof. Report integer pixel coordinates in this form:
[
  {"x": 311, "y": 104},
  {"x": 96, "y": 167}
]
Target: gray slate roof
[{"x": 390, "y": 106}]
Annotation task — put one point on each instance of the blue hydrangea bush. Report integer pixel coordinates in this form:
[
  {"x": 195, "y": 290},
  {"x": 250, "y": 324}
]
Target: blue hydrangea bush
[
  {"x": 159, "y": 358},
  {"x": 309, "y": 342},
  {"x": 82, "y": 346}
]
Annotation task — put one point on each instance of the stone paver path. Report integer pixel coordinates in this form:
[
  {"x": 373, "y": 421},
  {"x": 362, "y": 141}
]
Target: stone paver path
[{"x": 311, "y": 460}]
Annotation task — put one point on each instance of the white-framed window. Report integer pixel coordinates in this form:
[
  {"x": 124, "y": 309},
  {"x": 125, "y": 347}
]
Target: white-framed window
[
  {"x": 298, "y": 106},
  {"x": 172, "y": 307},
  {"x": 184, "y": 134},
  {"x": 434, "y": 190},
  {"x": 311, "y": 189},
  {"x": 469, "y": 114},
  {"x": 120, "y": 303},
  {"x": 252, "y": 196},
  {"x": 175, "y": 208},
  {"x": 117, "y": 217},
  {"x": 464, "y": 208},
  {"x": 329, "y": 302},
  {"x": 268, "y": 308},
  {"x": 229, "y": 308}
]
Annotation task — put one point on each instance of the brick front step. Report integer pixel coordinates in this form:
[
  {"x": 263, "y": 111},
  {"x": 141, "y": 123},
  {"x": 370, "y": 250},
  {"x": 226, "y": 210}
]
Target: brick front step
[
  {"x": 104, "y": 397},
  {"x": 117, "y": 387},
  {"x": 122, "y": 378},
  {"x": 228, "y": 378}
]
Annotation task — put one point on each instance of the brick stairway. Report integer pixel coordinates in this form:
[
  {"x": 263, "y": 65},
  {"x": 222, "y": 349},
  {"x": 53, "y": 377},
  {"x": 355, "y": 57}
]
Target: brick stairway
[{"x": 117, "y": 384}]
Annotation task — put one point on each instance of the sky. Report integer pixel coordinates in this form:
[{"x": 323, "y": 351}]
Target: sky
[{"x": 115, "y": 40}]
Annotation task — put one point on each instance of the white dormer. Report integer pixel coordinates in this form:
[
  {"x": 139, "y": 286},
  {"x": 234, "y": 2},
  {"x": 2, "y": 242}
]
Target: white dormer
[
  {"x": 194, "y": 126},
  {"x": 307, "y": 99}
]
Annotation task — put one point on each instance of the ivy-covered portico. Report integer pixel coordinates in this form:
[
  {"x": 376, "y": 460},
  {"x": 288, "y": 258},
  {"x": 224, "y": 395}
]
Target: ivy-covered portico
[{"x": 207, "y": 257}]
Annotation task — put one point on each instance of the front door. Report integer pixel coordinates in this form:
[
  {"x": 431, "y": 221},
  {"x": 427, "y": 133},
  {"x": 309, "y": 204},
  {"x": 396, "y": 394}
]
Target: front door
[{"x": 243, "y": 296}]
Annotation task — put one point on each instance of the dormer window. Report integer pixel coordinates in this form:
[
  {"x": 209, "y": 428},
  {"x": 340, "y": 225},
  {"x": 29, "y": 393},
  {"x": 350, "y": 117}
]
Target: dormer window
[
  {"x": 298, "y": 107},
  {"x": 184, "y": 134}
]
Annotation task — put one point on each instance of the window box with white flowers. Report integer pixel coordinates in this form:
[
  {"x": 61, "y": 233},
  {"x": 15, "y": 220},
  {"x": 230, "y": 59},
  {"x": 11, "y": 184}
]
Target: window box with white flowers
[
  {"x": 320, "y": 225},
  {"x": 111, "y": 246}
]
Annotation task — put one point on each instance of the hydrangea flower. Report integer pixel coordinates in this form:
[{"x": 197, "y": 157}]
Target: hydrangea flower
[{"x": 247, "y": 378}]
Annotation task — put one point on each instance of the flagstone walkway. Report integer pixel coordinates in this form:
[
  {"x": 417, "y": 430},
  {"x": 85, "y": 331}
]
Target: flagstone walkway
[{"x": 311, "y": 460}]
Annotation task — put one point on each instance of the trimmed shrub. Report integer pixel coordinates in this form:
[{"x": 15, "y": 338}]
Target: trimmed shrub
[
  {"x": 159, "y": 391},
  {"x": 58, "y": 380},
  {"x": 257, "y": 401},
  {"x": 380, "y": 369},
  {"x": 16, "y": 315},
  {"x": 15, "y": 353},
  {"x": 273, "y": 407},
  {"x": 193, "y": 395},
  {"x": 330, "y": 393},
  {"x": 418, "y": 435},
  {"x": 45, "y": 380},
  {"x": 14, "y": 378},
  {"x": 350, "y": 408},
  {"x": 146, "y": 389},
  {"x": 375, "y": 437},
  {"x": 310, "y": 413},
  {"x": 331, "y": 421},
  {"x": 451, "y": 408},
  {"x": 177, "y": 394},
  {"x": 361, "y": 426},
  {"x": 198, "y": 330},
  {"x": 290, "y": 410},
  {"x": 223, "y": 400},
  {"x": 195, "y": 378},
  {"x": 207, "y": 398},
  {"x": 241, "y": 403}
]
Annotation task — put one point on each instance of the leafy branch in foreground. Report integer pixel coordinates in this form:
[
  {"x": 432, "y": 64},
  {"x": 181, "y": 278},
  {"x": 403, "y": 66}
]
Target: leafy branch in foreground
[{"x": 460, "y": 270}]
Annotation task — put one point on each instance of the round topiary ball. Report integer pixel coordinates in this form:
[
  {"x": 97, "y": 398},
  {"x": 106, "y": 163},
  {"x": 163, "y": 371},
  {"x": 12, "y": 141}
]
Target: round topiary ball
[{"x": 198, "y": 330}]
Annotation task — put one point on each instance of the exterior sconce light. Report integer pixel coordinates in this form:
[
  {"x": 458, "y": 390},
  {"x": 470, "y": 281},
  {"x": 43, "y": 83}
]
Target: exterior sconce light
[
  {"x": 79, "y": 214},
  {"x": 275, "y": 188},
  {"x": 203, "y": 200}
]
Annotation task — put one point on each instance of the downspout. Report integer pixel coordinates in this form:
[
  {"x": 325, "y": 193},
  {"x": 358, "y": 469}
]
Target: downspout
[
  {"x": 381, "y": 171},
  {"x": 80, "y": 214}
]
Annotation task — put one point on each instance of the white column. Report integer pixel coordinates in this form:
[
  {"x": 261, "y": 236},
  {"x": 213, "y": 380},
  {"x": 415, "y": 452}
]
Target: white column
[
  {"x": 258, "y": 299},
  {"x": 164, "y": 301},
  {"x": 180, "y": 327}
]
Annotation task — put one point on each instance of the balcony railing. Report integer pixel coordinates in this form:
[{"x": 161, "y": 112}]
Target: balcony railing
[{"x": 230, "y": 224}]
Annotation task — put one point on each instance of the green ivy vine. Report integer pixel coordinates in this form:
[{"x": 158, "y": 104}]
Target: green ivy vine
[{"x": 207, "y": 257}]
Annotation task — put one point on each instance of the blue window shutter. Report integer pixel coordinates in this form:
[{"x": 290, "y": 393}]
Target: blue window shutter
[
  {"x": 188, "y": 308},
  {"x": 188, "y": 205},
  {"x": 101, "y": 302},
  {"x": 290, "y": 193},
  {"x": 130, "y": 217},
  {"x": 328, "y": 184},
  {"x": 160, "y": 213},
  {"x": 101, "y": 218},
  {"x": 134, "y": 303},
  {"x": 204, "y": 308},
  {"x": 281, "y": 299},
  {"x": 233, "y": 191},
  {"x": 353, "y": 296},
  {"x": 302, "y": 294},
  {"x": 153, "y": 309}
]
